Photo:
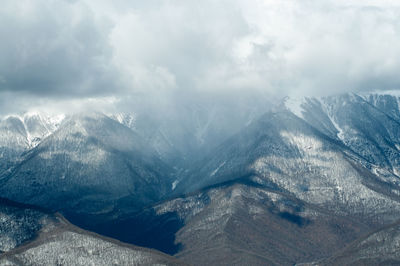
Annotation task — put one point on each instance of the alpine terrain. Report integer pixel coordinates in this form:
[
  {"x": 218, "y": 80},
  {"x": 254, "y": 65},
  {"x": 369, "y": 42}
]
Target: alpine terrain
[{"x": 304, "y": 181}]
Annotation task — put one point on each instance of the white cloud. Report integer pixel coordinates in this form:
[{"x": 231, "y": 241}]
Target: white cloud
[{"x": 88, "y": 48}]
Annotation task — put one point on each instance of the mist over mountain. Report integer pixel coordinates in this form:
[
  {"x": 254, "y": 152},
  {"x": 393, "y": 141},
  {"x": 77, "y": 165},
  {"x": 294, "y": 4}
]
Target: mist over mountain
[
  {"x": 199, "y": 132},
  {"x": 289, "y": 182}
]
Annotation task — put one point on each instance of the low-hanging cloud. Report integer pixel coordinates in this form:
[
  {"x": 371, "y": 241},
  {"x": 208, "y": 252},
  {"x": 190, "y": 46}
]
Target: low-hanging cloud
[{"x": 86, "y": 49}]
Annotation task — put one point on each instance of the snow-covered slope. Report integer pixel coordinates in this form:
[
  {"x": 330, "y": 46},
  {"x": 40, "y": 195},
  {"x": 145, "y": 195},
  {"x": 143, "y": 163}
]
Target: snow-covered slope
[
  {"x": 19, "y": 133},
  {"x": 30, "y": 126},
  {"x": 284, "y": 152},
  {"x": 91, "y": 165},
  {"x": 367, "y": 124},
  {"x": 20, "y": 223}
]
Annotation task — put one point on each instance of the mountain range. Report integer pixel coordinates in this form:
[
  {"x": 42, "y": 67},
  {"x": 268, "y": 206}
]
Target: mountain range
[{"x": 306, "y": 181}]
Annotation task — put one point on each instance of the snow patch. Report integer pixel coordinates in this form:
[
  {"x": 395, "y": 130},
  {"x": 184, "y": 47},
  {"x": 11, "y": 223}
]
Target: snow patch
[
  {"x": 295, "y": 105},
  {"x": 176, "y": 182},
  {"x": 217, "y": 169},
  {"x": 304, "y": 143},
  {"x": 128, "y": 120}
]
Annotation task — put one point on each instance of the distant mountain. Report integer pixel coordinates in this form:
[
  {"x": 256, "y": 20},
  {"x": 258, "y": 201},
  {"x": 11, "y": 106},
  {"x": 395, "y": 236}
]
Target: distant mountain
[
  {"x": 19, "y": 133},
  {"x": 30, "y": 236},
  {"x": 184, "y": 133},
  {"x": 91, "y": 165}
]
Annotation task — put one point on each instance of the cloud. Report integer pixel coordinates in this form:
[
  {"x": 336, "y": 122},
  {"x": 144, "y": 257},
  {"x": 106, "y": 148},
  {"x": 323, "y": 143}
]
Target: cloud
[
  {"x": 86, "y": 48},
  {"x": 55, "y": 48}
]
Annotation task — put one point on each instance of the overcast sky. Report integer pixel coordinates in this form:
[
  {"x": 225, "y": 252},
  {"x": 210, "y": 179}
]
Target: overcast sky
[{"x": 85, "y": 51}]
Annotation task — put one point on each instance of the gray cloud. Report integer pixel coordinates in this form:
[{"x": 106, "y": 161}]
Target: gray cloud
[
  {"x": 169, "y": 49},
  {"x": 54, "y": 48}
]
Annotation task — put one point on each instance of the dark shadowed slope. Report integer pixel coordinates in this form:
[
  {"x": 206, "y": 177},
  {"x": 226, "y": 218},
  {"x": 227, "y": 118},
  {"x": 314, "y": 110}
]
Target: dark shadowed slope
[
  {"x": 20, "y": 223},
  {"x": 242, "y": 223},
  {"x": 30, "y": 236}
]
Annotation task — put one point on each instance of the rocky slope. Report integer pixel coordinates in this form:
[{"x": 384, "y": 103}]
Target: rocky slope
[
  {"x": 381, "y": 247},
  {"x": 242, "y": 223}
]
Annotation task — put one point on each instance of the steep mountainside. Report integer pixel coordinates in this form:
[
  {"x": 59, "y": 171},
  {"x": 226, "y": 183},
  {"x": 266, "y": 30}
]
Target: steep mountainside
[
  {"x": 284, "y": 153},
  {"x": 91, "y": 165},
  {"x": 240, "y": 223},
  {"x": 369, "y": 125}
]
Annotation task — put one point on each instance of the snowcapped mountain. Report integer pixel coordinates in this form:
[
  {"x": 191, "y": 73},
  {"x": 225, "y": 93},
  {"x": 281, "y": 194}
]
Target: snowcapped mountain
[
  {"x": 91, "y": 165},
  {"x": 31, "y": 126},
  {"x": 19, "y": 133},
  {"x": 304, "y": 156},
  {"x": 327, "y": 167}
]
